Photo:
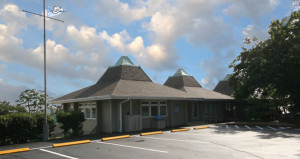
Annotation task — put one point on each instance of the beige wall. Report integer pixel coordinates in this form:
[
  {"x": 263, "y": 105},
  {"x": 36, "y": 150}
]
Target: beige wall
[
  {"x": 179, "y": 112},
  {"x": 106, "y": 117},
  {"x": 88, "y": 126}
]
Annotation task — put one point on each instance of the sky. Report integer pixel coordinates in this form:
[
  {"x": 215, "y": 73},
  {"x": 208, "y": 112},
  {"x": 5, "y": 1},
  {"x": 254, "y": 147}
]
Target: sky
[{"x": 201, "y": 36}]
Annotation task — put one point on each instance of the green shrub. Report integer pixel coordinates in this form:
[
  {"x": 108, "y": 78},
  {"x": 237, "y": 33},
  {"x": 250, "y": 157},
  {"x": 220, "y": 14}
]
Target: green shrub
[
  {"x": 71, "y": 122},
  {"x": 22, "y": 127}
]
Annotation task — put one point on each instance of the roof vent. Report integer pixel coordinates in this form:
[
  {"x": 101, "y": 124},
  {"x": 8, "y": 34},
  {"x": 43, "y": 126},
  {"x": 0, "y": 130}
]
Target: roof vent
[
  {"x": 180, "y": 72},
  {"x": 124, "y": 60}
]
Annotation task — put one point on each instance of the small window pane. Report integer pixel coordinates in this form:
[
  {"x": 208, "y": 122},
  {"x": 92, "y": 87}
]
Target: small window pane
[
  {"x": 154, "y": 103},
  {"x": 93, "y": 112},
  {"x": 163, "y": 103},
  {"x": 87, "y": 113},
  {"x": 163, "y": 110},
  {"x": 145, "y": 103},
  {"x": 154, "y": 110},
  {"x": 145, "y": 111}
]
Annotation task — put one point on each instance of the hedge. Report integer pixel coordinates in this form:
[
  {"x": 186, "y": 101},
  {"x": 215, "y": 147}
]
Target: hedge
[
  {"x": 71, "y": 122},
  {"x": 22, "y": 127}
]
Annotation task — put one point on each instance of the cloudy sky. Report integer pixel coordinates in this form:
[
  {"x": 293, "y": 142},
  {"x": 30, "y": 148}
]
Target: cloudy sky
[{"x": 200, "y": 36}]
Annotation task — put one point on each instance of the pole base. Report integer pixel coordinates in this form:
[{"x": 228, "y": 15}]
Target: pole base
[{"x": 45, "y": 132}]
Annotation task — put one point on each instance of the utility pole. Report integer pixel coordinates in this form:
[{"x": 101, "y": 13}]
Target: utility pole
[{"x": 45, "y": 125}]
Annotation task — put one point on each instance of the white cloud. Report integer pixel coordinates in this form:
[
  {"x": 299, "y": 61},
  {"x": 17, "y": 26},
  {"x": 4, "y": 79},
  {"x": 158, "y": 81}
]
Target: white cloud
[
  {"x": 3, "y": 68},
  {"x": 88, "y": 60},
  {"x": 121, "y": 11},
  {"x": 11, "y": 92},
  {"x": 253, "y": 9},
  {"x": 252, "y": 31}
]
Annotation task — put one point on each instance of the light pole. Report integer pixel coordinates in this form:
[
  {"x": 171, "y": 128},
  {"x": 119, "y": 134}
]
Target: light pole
[{"x": 45, "y": 124}]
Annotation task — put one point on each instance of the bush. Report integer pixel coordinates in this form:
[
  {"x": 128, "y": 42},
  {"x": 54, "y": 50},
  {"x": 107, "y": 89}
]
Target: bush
[
  {"x": 22, "y": 127},
  {"x": 71, "y": 122}
]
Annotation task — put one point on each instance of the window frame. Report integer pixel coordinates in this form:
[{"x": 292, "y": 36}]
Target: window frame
[
  {"x": 154, "y": 103},
  {"x": 89, "y": 106}
]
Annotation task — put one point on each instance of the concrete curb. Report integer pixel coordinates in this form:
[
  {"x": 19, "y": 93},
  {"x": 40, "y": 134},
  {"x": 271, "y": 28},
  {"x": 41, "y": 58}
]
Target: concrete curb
[
  {"x": 115, "y": 137},
  {"x": 71, "y": 143},
  {"x": 177, "y": 130},
  {"x": 201, "y": 127},
  {"x": 151, "y": 133},
  {"x": 14, "y": 151}
]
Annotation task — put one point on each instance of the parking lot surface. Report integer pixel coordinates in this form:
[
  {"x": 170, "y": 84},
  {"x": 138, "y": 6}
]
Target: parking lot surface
[{"x": 218, "y": 141}]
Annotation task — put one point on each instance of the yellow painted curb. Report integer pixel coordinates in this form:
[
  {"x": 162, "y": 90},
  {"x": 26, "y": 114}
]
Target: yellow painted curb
[
  {"x": 151, "y": 133},
  {"x": 115, "y": 137},
  {"x": 176, "y": 130},
  {"x": 71, "y": 143},
  {"x": 200, "y": 127},
  {"x": 14, "y": 151}
]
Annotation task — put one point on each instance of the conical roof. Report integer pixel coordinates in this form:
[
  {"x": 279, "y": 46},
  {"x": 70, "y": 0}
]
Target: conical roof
[
  {"x": 224, "y": 87},
  {"x": 180, "y": 72},
  {"x": 124, "y": 61},
  {"x": 181, "y": 79},
  {"x": 123, "y": 80}
]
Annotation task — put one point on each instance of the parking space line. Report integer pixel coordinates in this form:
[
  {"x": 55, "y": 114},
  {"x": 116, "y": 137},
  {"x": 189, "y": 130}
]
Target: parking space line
[
  {"x": 132, "y": 147},
  {"x": 227, "y": 126},
  {"x": 247, "y": 126},
  {"x": 58, "y": 154},
  {"x": 40, "y": 148},
  {"x": 259, "y": 127},
  {"x": 237, "y": 126},
  {"x": 272, "y": 128},
  {"x": 156, "y": 138}
]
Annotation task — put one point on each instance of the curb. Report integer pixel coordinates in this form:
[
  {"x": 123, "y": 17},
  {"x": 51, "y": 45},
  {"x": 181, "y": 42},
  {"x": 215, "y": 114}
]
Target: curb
[
  {"x": 115, "y": 137},
  {"x": 201, "y": 127},
  {"x": 14, "y": 151},
  {"x": 177, "y": 130},
  {"x": 71, "y": 143},
  {"x": 151, "y": 133}
]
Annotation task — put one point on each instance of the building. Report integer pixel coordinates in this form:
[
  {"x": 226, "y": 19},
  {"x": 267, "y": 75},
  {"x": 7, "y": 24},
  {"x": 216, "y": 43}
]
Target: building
[
  {"x": 224, "y": 87},
  {"x": 125, "y": 99}
]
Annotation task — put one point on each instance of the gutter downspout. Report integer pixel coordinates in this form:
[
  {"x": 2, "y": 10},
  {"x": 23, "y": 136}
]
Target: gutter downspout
[{"x": 120, "y": 106}]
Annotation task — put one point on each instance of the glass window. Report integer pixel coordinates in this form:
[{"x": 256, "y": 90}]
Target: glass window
[
  {"x": 87, "y": 112},
  {"x": 93, "y": 112},
  {"x": 163, "y": 110},
  {"x": 162, "y": 103},
  {"x": 154, "y": 103},
  {"x": 154, "y": 110},
  {"x": 145, "y": 111}
]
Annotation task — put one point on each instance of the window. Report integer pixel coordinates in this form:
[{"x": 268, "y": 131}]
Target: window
[
  {"x": 89, "y": 110},
  {"x": 154, "y": 108},
  {"x": 145, "y": 111},
  {"x": 163, "y": 110}
]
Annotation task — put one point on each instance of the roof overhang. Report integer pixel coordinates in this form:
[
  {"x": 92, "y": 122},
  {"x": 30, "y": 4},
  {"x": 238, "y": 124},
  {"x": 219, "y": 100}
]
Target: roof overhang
[{"x": 133, "y": 97}]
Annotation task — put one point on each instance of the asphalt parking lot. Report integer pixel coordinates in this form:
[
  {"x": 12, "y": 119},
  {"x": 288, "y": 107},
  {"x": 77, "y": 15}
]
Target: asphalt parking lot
[{"x": 218, "y": 141}]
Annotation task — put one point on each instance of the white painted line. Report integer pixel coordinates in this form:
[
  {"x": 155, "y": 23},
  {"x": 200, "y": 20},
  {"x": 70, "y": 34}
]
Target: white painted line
[
  {"x": 247, "y": 126},
  {"x": 284, "y": 127},
  {"x": 272, "y": 128},
  {"x": 227, "y": 126},
  {"x": 58, "y": 154},
  {"x": 40, "y": 147},
  {"x": 259, "y": 127},
  {"x": 132, "y": 147},
  {"x": 237, "y": 126},
  {"x": 157, "y": 138}
]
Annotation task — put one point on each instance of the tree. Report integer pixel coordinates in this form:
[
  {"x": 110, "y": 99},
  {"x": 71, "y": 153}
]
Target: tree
[
  {"x": 7, "y": 108},
  {"x": 33, "y": 100},
  {"x": 271, "y": 68}
]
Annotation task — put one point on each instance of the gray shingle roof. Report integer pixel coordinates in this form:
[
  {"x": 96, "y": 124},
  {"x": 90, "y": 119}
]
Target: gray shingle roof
[
  {"x": 224, "y": 88},
  {"x": 193, "y": 88}
]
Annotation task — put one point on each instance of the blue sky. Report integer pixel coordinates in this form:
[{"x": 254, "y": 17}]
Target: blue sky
[{"x": 201, "y": 36}]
